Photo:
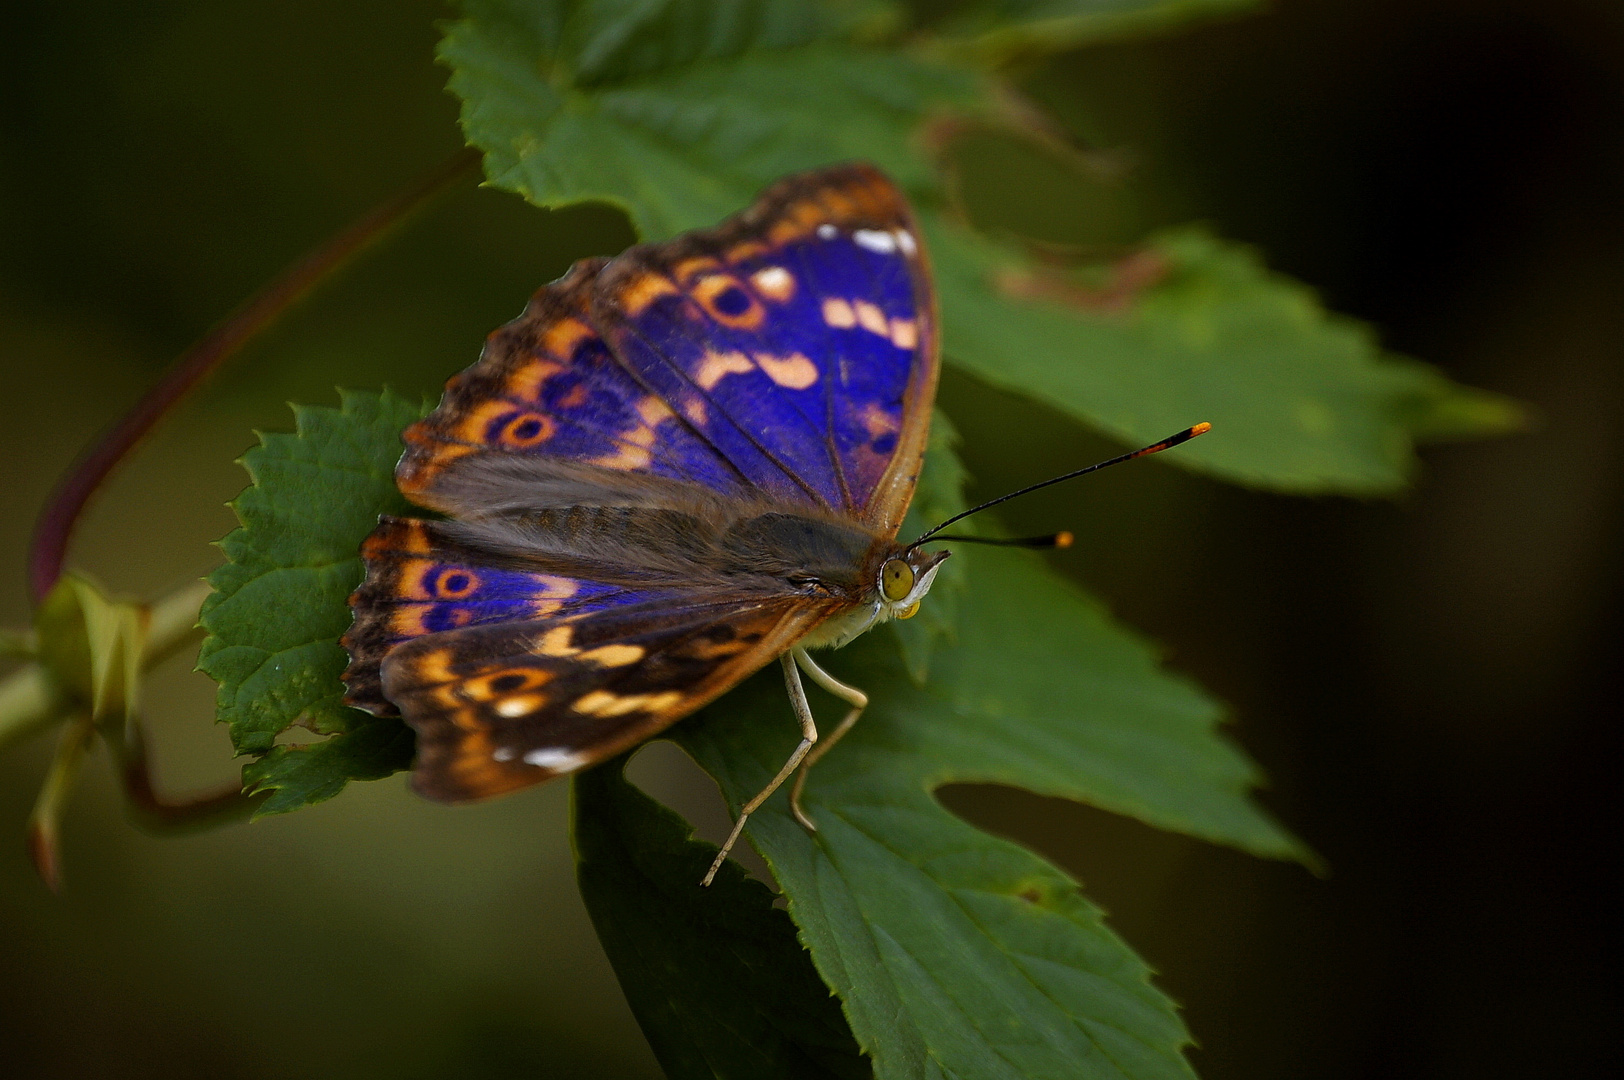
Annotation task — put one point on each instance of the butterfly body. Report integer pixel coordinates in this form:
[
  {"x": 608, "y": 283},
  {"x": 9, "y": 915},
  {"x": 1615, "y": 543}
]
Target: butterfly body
[{"x": 676, "y": 467}]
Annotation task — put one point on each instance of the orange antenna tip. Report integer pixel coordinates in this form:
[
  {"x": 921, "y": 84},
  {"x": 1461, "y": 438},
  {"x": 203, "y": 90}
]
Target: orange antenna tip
[
  {"x": 1200, "y": 429},
  {"x": 1063, "y": 539}
]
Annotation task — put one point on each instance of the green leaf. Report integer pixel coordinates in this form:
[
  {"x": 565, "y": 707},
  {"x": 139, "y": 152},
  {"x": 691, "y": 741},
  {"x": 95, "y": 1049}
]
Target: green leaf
[
  {"x": 1440, "y": 410},
  {"x": 956, "y": 953},
  {"x": 997, "y": 31},
  {"x": 1300, "y": 399},
  {"x": 715, "y": 976},
  {"x": 370, "y": 748},
  {"x": 280, "y": 602},
  {"x": 680, "y": 112},
  {"x": 938, "y": 495}
]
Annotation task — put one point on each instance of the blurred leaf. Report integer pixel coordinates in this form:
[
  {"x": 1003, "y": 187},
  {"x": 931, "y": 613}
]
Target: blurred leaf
[
  {"x": 938, "y": 495},
  {"x": 1440, "y": 410},
  {"x": 92, "y": 645},
  {"x": 998, "y": 30},
  {"x": 957, "y": 953},
  {"x": 680, "y": 112},
  {"x": 1300, "y": 399},
  {"x": 280, "y": 602},
  {"x": 715, "y": 976}
]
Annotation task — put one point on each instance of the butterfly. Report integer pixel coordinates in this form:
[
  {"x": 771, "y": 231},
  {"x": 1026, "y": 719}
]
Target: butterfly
[{"x": 674, "y": 468}]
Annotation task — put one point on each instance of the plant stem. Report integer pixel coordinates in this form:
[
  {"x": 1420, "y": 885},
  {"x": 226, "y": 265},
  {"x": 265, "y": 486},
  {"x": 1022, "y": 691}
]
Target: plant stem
[
  {"x": 173, "y": 623},
  {"x": 55, "y": 525},
  {"x": 29, "y": 702},
  {"x": 156, "y": 815}
]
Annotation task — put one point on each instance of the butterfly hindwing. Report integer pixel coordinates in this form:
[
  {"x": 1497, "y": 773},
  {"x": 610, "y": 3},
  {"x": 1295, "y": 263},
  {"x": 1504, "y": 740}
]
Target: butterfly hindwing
[
  {"x": 420, "y": 581},
  {"x": 502, "y": 706}
]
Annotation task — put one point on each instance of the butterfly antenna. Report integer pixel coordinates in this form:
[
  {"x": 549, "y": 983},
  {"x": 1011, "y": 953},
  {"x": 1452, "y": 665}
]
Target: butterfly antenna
[
  {"x": 1057, "y": 539},
  {"x": 1048, "y": 540}
]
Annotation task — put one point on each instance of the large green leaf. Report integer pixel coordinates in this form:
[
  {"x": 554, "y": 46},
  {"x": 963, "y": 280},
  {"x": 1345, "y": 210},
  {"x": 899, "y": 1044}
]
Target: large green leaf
[
  {"x": 956, "y": 953},
  {"x": 1299, "y": 399},
  {"x": 715, "y": 976},
  {"x": 279, "y": 605},
  {"x": 680, "y": 112}
]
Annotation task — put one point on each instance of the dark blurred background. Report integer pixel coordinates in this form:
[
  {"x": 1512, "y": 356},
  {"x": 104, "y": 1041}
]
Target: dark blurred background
[{"x": 1425, "y": 680}]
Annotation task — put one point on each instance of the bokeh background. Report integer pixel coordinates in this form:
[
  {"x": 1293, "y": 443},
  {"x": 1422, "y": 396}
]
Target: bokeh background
[{"x": 1425, "y": 680}]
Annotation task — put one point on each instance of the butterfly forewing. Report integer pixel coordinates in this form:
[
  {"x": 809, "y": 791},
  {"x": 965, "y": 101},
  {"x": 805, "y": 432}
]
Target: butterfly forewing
[
  {"x": 796, "y": 337},
  {"x": 548, "y": 387}
]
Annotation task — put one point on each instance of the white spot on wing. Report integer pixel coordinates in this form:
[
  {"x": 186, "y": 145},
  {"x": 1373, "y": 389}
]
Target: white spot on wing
[
  {"x": 827, "y": 231},
  {"x": 504, "y": 753},
  {"x": 905, "y": 241},
  {"x": 774, "y": 282},
  {"x": 549, "y": 757},
  {"x": 876, "y": 240}
]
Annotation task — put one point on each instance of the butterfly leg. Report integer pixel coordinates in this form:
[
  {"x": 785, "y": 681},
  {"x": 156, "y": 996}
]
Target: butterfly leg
[
  {"x": 849, "y": 694},
  {"x": 809, "y": 735}
]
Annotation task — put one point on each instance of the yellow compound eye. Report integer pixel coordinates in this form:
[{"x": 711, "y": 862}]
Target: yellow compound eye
[
  {"x": 896, "y": 580},
  {"x": 910, "y": 611}
]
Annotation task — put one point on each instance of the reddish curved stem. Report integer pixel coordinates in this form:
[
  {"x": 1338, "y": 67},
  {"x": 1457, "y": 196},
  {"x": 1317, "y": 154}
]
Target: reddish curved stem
[{"x": 55, "y": 525}]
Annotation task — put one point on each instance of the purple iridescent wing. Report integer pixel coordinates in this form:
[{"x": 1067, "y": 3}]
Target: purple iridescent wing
[{"x": 798, "y": 337}]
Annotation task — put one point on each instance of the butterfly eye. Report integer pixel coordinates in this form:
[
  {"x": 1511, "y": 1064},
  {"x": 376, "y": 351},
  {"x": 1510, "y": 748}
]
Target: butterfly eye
[{"x": 896, "y": 579}]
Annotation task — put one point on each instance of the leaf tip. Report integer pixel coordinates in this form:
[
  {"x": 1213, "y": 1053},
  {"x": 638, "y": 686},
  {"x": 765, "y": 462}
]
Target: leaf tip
[{"x": 45, "y": 853}]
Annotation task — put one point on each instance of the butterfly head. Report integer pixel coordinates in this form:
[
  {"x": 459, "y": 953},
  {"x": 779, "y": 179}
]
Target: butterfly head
[
  {"x": 890, "y": 587},
  {"x": 905, "y": 578}
]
